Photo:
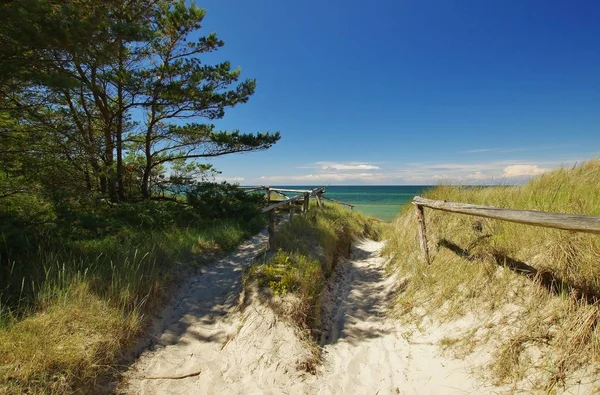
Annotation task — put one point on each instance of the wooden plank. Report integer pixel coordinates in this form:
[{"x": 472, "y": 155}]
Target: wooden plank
[
  {"x": 271, "y": 230},
  {"x": 291, "y": 190},
  {"x": 317, "y": 191},
  {"x": 277, "y": 197},
  {"x": 422, "y": 233},
  {"x": 290, "y": 200},
  {"x": 292, "y": 209},
  {"x": 575, "y": 222},
  {"x": 282, "y": 203},
  {"x": 319, "y": 198},
  {"x": 338, "y": 202},
  {"x": 306, "y": 202}
]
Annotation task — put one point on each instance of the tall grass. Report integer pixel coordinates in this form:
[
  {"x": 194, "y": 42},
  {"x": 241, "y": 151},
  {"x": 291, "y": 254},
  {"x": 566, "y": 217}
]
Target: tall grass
[
  {"x": 534, "y": 289},
  {"x": 72, "y": 306},
  {"x": 309, "y": 248}
]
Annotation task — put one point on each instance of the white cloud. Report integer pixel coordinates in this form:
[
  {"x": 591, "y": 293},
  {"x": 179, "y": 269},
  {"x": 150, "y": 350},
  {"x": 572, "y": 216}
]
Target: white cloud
[
  {"x": 229, "y": 179},
  {"x": 423, "y": 173},
  {"x": 322, "y": 177},
  {"x": 506, "y": 150},
  {"x": 523, "y": 170},
  {"x": 475, "y": 151},
  {"x": 330, "y": 172},
  {"x": 478, "y": 176},
  {"x": 346, "y": 166}
]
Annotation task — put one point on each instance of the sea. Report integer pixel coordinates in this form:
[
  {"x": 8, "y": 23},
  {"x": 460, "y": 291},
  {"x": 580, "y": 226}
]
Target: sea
[{"x": 379, "y": 201}]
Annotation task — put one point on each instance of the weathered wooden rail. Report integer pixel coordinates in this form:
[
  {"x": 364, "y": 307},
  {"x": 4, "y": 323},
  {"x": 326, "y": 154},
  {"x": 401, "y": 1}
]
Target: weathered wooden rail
[
  {"x": 303, "y": 196},
  {"x": 572, "y": 222},
  {"x": 338, "y": 202}
]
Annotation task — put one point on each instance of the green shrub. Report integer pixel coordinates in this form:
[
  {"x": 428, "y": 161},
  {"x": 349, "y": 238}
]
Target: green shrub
[
  {"x": 309, "y": 247},
  {"x": 214, "y": 200},
  {"x": 290, "y": 272},
  {"x": 59, "y": 258}
]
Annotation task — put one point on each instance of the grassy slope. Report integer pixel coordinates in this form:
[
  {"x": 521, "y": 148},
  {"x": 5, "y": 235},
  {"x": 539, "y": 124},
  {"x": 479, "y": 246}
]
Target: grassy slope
[
  {"x": 84, "y": 298},
  {"x": 546, "y": 333},
  {"x": 308, "y": 249}
]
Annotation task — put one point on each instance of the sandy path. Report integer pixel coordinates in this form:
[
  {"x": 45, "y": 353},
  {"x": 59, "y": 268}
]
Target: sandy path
[
  {"x": 231, "y": 350},
  {"x": 368, "y": 353},
  {"x": 203, "y": 333}
]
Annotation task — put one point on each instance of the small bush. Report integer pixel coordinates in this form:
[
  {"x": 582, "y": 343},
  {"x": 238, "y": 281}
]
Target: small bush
[
  {"x": 309, "y": 248},
  {"x": 290, "y": 272},
  {"x": 214, "y": 200}
]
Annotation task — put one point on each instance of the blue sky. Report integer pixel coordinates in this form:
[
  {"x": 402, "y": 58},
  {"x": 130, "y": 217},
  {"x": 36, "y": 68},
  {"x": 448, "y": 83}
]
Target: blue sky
[{"x": 411, "y": 92}]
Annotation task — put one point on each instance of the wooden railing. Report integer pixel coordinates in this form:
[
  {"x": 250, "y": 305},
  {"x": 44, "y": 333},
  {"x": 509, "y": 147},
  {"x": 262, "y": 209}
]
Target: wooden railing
[
  {"x": 302, "y": 196},
  {"x": 573, "y": 222},
  {"x": 338, "y": 202}
]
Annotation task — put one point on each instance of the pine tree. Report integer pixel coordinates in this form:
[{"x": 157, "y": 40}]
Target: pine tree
[{"x": 76, "y": 77}]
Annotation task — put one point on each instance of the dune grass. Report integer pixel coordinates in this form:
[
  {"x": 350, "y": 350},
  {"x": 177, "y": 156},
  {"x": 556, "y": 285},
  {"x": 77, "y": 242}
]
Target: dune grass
[
  {"x": 533, "y": 289},
  {"x": 309, "y": 248},
  {"x": 72, "y": 306}
]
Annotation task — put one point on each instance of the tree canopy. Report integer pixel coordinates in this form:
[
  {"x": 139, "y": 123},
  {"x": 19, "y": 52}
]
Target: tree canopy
[{"x": 112, "y": 98}]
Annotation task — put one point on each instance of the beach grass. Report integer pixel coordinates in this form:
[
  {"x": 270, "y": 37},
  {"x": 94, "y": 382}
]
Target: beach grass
[
  {"x": 534, "y": 290},
  {"x": 73, "y": 307},
  {"x": 308, "y": 249}
]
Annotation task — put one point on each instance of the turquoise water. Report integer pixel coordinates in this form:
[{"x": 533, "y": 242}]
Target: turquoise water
[{"x": 383, "y": 202}]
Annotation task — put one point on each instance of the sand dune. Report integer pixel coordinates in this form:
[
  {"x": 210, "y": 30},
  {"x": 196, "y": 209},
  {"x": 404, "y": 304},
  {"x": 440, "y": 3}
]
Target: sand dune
[{"x": 207, "y": 344}]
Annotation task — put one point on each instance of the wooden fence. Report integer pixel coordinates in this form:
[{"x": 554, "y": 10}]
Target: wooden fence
[
  {"x": 573, "y": 222},
  {"x": 302, "y": 198}
]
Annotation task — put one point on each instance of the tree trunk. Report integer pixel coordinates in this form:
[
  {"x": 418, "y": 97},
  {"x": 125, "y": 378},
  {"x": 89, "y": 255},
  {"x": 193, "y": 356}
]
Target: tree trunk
[
  {"x": 145, "y": 184},
  {"x": 120, "y": 185},
  {"x": 88, "y": 179},
  {"x": 119, "y": 131},
  {"x": 95, "y": 176},
  {"x": 103, "y": 185},
  {"x": 109, "y": 162},
  {"x": 146, "y": 192},
  {"x": 148, "y": 167}
]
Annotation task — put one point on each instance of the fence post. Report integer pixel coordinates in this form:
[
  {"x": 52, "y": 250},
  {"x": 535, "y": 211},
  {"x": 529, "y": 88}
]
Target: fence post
[
  {"x": 306, "y": 202},
  {"x": 271, "y": 230},
  {"x": 422, "y": 233},
  {"x": 319, "y": 198},
  {"x": 291, "y": 211}
]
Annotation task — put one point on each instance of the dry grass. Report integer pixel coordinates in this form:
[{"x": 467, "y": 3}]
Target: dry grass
[
  {"x": 309, "y": 247},
  {"x": 534, "y": 289},
  {"x": 87, "y": 308},
  {"x": 65, "y": 346}
]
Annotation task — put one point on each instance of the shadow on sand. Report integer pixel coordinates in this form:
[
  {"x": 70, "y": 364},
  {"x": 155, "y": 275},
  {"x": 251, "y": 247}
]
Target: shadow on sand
[
  {"x": 202, "y": 300},
  {"x": 361, "y": 296}
]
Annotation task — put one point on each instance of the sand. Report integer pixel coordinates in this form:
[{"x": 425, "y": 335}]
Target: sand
[{"x": 205, "y": 343}]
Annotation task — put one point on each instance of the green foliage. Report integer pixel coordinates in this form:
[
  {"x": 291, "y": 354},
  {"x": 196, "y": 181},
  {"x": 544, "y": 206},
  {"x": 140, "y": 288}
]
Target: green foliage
[
  {"x": 75, "y": 78},
  {"x": 36, "y": 232},
  {"x": 79, "y": 164},
  {"x": 309, "y": 247},
  {"x": 223, "y": 200},
  {"x": 328, "y": 231},
  {"x": 35, "y": 236},
  {"x": 78, "y": 287},
  {"x": 290, "y": 272}
]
